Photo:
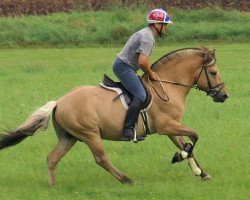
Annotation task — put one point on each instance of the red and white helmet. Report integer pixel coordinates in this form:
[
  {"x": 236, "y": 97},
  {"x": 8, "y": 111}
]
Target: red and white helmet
[{"x": 158, "y": 16}]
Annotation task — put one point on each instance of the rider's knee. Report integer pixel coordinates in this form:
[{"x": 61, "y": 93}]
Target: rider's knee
[{"x": 142, "y": 97}]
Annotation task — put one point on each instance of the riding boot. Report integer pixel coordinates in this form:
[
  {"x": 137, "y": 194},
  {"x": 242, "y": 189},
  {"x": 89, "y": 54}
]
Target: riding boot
[{"x": 131, "y": 119}]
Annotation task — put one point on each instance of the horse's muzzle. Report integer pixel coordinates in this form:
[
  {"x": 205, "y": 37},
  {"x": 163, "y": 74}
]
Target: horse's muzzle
[{"x": 220, "y": 97}]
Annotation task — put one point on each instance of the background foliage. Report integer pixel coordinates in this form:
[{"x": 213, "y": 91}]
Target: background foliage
[
  {"x": 91, "y": 28},
  {"x": 37, "y": 7}
]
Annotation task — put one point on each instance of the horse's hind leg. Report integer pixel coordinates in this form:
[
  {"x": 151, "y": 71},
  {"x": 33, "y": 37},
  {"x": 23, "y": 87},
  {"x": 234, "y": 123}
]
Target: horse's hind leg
[
  {"x": 194, "y": 165},
  {"x": 62, "y": 147},
  {"x": 65, "y": 142},
  {"x": 95, "y": 144}
]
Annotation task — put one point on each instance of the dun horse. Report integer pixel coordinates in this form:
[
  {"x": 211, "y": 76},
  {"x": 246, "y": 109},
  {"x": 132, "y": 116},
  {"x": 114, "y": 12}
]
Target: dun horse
[{"x": 90, "y": 113}]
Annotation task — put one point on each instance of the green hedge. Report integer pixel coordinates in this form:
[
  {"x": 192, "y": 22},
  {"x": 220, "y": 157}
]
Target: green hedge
[{"x": 115, "y": 26}]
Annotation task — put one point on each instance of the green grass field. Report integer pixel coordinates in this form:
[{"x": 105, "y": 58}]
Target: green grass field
[{"x": 31, "y": 77}]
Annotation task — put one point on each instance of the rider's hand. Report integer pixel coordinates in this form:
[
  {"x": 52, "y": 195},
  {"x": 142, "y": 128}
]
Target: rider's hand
[{"x": 153, "y": 75}]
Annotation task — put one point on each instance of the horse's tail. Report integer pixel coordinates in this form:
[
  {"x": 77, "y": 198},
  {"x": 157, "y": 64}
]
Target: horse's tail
[{"x": 37, "y": 120}]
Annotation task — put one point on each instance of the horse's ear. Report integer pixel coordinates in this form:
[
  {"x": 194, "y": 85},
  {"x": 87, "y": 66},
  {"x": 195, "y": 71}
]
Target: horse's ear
[
  {"x": 204, "y": 51},
  {"x": 213, "y": 52},
  {"x": 205, "y": 54},
  {"x": 208, "y": 54}
]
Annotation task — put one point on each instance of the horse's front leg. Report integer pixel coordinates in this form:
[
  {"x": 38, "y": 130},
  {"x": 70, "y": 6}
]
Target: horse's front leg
[
  {"x": 194, "y": 165},
  {"x": 174, "y": 128}
]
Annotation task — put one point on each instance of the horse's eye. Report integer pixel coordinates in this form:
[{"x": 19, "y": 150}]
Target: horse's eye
[{"x": 213, "y": 73}]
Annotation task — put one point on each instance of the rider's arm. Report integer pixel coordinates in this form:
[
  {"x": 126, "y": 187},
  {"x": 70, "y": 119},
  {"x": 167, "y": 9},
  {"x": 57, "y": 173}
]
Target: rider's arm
[{"x": 145, "y": 66}]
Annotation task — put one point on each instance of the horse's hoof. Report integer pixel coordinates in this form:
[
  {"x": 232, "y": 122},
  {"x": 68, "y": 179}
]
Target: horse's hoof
[
  {"x": 51, "y": 184},
  {"x": 177, "y": 158},
  {"x": 206, "y": 178},
  {"x": 127, "y": 180}
]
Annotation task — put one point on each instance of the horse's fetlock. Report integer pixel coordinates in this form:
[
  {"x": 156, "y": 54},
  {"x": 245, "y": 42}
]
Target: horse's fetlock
[
  {"x": 51, "y": 163},
  {"x": 187, "y": 150},
  {"x": 188, "y": 147}
]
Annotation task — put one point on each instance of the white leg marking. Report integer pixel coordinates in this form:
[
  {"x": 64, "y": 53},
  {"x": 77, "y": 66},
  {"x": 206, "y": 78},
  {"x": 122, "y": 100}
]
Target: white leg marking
[{"x": 195, "y": 169}]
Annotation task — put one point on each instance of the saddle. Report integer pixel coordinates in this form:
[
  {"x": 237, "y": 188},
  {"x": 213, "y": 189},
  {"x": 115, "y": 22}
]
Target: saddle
[
  {"x": 126, "y": 98},
  {"x": 109, "y": 84}
]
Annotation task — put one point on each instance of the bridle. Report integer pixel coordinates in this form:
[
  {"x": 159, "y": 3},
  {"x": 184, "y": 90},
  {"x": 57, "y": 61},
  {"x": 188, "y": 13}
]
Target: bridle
[{"x": 211, "y": 91}]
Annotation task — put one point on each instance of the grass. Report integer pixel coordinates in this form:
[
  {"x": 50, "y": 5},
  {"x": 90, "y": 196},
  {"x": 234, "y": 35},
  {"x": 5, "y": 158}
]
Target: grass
[
  {"x": 31, "y": 77},
  {"x": 114, "y": 26}
]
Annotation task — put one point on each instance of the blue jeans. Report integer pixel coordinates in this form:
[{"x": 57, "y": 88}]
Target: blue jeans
[{"x": 127, "y": 75}]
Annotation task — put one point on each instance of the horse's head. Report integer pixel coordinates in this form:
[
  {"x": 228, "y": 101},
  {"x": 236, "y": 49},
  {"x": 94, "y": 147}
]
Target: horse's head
[{"x": 208, "y": 78}]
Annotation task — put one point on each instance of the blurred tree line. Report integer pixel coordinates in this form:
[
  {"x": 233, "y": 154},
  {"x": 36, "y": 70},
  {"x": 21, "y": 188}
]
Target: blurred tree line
[{"x": 43, "y": 7}]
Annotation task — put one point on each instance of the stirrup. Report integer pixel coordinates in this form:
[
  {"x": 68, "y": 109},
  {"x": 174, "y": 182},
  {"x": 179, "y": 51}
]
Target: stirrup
[{"x": 132, "y": 136}]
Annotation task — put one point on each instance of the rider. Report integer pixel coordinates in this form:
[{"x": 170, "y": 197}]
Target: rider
[{"x": 134, "y": 56}]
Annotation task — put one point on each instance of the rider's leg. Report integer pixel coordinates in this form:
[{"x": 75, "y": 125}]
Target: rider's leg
[
  {"x": 127, "y": 75},
  {"x": 131, "y": 119}
]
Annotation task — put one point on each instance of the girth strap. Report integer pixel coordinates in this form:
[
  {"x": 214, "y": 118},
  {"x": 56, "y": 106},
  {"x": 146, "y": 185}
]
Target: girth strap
[{"x": 144, "y": 116}]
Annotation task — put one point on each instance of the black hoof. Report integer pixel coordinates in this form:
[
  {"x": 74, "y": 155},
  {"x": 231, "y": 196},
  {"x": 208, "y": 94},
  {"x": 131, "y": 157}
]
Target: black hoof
[
  {"x": 177, "y": 158},
  {"x": 127, "y": 180},
  {"x": 206, "y": 178}
]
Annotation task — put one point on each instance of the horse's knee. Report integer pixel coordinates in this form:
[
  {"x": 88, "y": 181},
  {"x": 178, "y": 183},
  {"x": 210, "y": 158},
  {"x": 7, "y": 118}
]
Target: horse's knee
[
  {"x": 101, "y": 160},
  {"x": 193, "y": 137}
]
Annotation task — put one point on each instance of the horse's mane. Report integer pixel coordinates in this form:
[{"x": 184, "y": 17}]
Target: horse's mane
[{"x": 176, "y": 54}]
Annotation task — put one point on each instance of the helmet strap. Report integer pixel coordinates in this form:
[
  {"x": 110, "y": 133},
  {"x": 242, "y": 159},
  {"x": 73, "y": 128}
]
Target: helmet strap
[{"x": 159, "y": 32}]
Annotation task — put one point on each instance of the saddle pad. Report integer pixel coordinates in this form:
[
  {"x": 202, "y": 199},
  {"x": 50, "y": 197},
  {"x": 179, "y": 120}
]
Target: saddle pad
[{"x": 122, "y": 98}]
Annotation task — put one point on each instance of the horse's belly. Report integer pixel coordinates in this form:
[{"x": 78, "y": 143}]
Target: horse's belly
[{"x": 111, "y": 128}]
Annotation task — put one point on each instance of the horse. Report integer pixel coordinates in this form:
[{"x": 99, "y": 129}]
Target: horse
[{"x": 90, "y": 114}]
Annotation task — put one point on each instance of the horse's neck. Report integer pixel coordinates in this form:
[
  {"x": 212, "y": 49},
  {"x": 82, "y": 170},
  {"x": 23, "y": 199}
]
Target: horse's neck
[{"x": 179, "y": 71}]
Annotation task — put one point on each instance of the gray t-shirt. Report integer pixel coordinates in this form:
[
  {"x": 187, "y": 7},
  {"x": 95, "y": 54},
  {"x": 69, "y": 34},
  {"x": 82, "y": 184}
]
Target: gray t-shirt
[{"x": 142, "y": 41}]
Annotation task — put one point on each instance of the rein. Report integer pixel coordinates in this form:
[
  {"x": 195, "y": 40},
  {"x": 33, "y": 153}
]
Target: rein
[
  {"x": 211, "y": 89},
  {"x": 163, "y": 89}
]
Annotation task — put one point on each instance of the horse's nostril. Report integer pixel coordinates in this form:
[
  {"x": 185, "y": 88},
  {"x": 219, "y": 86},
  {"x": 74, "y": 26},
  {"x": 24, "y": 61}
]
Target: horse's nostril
[{"x": 225, "y": 96}]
